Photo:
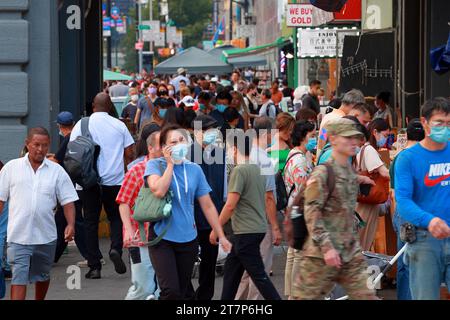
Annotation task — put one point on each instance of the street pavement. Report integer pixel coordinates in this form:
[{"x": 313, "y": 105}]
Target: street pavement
[{"x": 113, "y": 286}]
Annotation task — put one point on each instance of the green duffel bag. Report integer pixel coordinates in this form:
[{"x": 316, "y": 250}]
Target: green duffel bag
[{"x": 149, "y": 208}]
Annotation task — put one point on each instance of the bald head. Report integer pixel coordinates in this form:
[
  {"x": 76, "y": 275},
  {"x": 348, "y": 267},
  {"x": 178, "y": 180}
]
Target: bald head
[{"x": 102, "y": 103}]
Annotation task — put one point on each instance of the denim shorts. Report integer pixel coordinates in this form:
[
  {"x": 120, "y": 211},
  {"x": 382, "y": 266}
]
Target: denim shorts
[{"x": 31, "y": 263}]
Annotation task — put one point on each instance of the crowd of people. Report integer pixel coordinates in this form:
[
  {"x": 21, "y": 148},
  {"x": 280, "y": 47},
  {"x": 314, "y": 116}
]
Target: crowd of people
[{"x": 214, "y": 148}]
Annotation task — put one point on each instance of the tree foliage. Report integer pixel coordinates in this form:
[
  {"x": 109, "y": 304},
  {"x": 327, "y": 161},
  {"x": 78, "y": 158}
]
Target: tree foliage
[{"x": 192, "y": 17}]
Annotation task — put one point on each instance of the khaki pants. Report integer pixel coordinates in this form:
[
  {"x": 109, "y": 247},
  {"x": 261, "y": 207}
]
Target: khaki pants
[
  {"x": 291, "y": 275},
  {"x": 370, "y": 214},
  {"x": 247, "y": 289}
]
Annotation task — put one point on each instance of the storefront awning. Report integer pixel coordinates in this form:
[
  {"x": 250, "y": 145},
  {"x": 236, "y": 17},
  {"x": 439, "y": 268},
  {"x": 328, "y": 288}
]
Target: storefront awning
[
  {"x": 240, "y": 62},
  {"x": 235, "y": 53},
  {"x": 110, "y": 75},
  {"x": 196, "y": 61}
]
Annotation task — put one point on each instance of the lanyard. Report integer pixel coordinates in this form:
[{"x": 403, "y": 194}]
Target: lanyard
[{"x": 185, "y": 182}]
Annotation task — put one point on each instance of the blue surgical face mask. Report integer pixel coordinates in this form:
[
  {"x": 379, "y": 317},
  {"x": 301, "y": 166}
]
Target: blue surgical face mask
[
  {"x": 162, "y": 113},
  {"x": 221, "y": 107},
  {"x": 382, "y": 141},
  {"x": 440, "y": 134},
  {"x": 202, "y": 107},
  {"x": 210, "y": 137},
  {"x": 152, "y": 90},
  {"x": 312, "y": 144},
  {"x": 179, "y": 151}
]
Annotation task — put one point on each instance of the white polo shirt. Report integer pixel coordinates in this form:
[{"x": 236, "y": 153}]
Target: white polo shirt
[
  {"x": 32, "y": 197},
  {"x": 113, "y": 137}
]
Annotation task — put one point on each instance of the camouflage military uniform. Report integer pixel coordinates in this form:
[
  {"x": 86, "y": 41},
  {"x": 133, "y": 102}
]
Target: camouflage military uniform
[{"x": 331, "y": 226}]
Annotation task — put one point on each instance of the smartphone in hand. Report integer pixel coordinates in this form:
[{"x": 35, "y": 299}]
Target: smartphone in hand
[{"x": 364, "y": 189}]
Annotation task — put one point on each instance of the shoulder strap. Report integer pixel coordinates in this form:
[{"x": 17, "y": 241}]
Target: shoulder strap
[
  {"x": 150, "y": 103},
  {"x": 85, "y": 127},
  {"x": 361, "y": 157},
  {"x": 289, "y": 158},
  {"x": 331, "y": 179},
  {"x": 284, "y": 167},
  {"x": 158, "y": 238}
]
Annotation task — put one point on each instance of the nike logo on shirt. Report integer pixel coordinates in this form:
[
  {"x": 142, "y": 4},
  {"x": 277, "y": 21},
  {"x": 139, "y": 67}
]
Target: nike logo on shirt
[{"x": 441, "y": 171}]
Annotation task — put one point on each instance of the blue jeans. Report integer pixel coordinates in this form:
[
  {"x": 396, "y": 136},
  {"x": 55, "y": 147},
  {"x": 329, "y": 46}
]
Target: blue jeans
[
  {"x": 143, "y": 275},
  {"x": 403, "y": 290},
  {"x": 429, "y": 266},
  {"x": 3, "y": 229},
  {"x": 2, "y": 284}
]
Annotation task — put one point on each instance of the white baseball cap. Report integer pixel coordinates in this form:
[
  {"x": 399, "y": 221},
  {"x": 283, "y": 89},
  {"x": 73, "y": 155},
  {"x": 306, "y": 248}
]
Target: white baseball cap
[{"x": 188, "y": 101}]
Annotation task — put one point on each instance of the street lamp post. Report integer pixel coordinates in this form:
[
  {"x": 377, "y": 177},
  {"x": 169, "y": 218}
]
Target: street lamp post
[
  {"x": 108, "y": 39},
  {"x": 151, "y": 18},
  {"x": 140, "y": 34},
  {"x": 231, "y": 20}
]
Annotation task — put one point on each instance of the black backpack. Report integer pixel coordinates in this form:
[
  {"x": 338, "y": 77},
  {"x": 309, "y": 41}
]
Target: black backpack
[
  {"x": 282, "y": 195},
  {"x": 277, "y": 110},
  {"x": 295, "y": 229},
  {"x": 80, "y": 160}
]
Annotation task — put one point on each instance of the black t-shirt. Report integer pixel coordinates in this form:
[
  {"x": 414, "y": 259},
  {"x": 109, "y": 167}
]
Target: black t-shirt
[
  {"x": 311, "y": 102},
  {"x": 288, "y": 92},
  {"x": 61, "y": 153},
  {"x": 129, "y": 112}
]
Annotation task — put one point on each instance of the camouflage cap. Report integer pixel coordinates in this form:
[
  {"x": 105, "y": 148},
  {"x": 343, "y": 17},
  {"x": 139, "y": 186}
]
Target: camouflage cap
[{"x": 342, "y": 127}]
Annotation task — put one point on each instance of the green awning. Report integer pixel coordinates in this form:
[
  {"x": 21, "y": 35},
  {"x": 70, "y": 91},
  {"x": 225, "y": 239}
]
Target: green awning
[
  {"x": 239, "y": 62},
  {"x": 109, "y": 75},
  {"x": 234, "y": 53}
]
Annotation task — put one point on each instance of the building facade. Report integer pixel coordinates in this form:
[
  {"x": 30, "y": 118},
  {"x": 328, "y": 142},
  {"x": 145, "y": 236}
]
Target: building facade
[{"x": 49, "y": 62}]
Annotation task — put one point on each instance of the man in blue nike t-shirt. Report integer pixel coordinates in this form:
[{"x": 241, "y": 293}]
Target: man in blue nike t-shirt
[{"x": 422, "y": 192}]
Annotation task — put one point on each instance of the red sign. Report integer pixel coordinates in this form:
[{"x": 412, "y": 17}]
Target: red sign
[
  {"x": 139, "y": 46},
  {"x": 351, "y": 11}
]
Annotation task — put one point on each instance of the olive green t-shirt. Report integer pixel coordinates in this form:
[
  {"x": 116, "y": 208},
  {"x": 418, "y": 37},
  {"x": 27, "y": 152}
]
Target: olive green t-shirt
[{"x": 250, "y": 213}]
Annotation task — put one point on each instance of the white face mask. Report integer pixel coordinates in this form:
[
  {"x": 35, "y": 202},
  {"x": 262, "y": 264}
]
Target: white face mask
[{"x": 134, "y": 97}]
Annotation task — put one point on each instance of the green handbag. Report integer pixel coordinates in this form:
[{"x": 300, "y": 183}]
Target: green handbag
[{"x": 149, "y": 208}]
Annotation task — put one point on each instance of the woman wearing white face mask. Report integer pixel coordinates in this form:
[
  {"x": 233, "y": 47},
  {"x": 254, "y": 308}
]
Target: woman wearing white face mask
[
  {"x": 174, "y": 256},
  {"x": 172, "y": 96}
]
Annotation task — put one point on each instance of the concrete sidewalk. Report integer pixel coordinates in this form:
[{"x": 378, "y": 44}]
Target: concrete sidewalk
[{"x": 113, "y": 286}]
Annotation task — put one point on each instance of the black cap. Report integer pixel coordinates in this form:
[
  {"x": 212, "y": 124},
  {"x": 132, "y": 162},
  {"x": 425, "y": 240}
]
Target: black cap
[
  {"x": 149, "y": 129},
  {"x": 207, "y": 121}
]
